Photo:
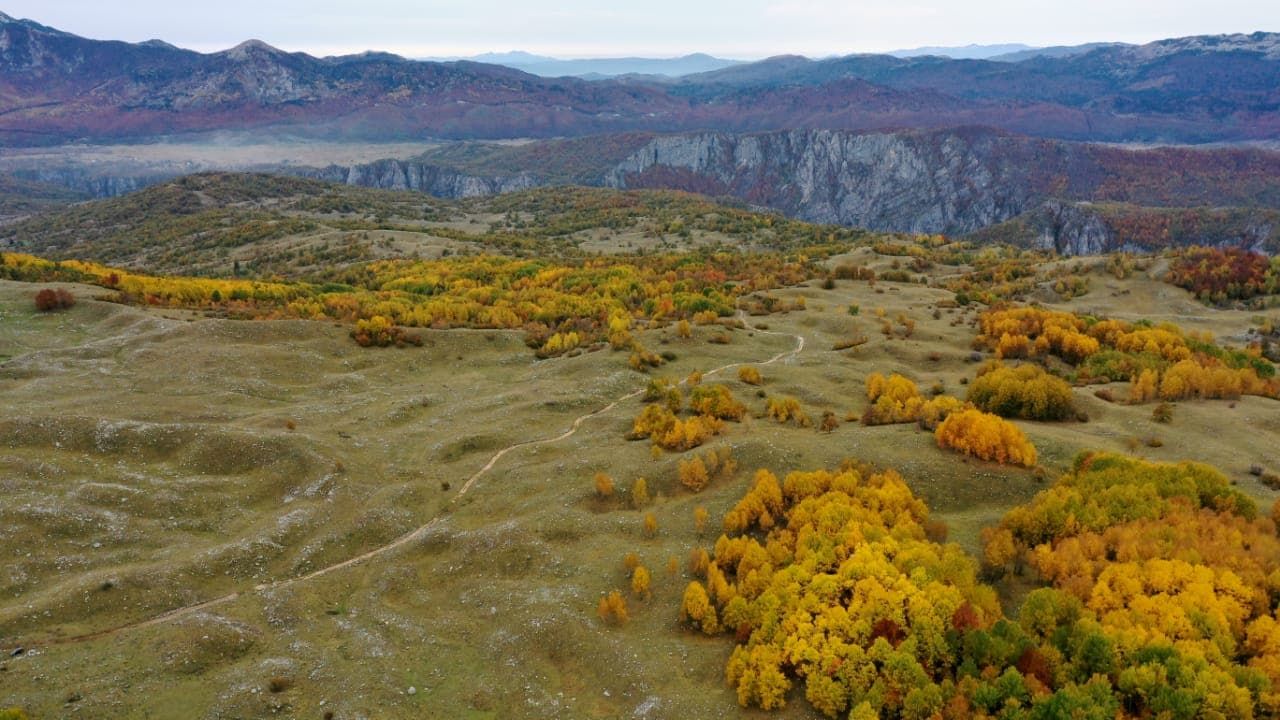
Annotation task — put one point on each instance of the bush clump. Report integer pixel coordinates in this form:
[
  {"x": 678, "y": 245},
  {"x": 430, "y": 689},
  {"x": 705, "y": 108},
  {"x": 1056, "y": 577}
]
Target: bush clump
[
  {"x": 50, "y": 299},
  {"x": 1026, "y": 392}
]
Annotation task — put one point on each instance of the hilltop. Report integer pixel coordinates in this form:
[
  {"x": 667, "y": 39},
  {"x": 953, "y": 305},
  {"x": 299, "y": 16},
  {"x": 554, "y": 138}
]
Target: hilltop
[{"x": 267, "y": 226}]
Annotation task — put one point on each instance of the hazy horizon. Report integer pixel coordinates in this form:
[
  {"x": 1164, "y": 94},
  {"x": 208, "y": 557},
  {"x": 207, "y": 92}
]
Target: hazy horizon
[{"x": 583, "y": 29}]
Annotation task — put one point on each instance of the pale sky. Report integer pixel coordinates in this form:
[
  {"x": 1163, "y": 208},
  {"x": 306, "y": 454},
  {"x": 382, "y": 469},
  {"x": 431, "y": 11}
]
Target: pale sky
[{"x": 745, "y": 29}]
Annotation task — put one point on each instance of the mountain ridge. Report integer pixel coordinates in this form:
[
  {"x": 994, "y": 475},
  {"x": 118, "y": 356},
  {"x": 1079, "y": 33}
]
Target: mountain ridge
[{"x": 56, "y": 87}]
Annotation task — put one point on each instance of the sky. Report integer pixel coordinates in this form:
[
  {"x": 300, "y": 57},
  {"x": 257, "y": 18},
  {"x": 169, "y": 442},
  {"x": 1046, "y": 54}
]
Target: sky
[{"x": 740, "y": 29}]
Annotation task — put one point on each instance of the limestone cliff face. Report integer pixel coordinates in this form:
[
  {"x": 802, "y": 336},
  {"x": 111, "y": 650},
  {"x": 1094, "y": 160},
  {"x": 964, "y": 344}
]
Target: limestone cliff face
[
  {"x": 92, "y": 184},
  {"x": 1070, "y": 229},
  {"x": 1084, "y": 228},
  {"x": 430, "y": 179},
  {"x": 916, "y": 182}
]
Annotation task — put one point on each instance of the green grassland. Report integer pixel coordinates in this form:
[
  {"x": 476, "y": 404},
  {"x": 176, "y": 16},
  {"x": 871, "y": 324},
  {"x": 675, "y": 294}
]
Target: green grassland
[{"x": 336, "y": 525}]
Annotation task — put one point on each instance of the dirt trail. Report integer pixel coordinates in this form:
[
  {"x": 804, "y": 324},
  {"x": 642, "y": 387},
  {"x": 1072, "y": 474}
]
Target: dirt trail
[{"x": 419, "y": 532}]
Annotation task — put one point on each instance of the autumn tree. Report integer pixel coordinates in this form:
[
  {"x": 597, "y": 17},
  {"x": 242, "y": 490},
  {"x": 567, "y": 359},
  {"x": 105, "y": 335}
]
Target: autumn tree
[
  {"x": 700, "y": 517},
  {"x": 640, "y": 493},
  {"x": 696, "y": 609},
  {"x": 693, "y": 474},
  {"x": 640, "y": 581},
  {"x": 612, "y": 609},
  {"x": 604, "y": 486},
  {"x": 650, "y": 525}
]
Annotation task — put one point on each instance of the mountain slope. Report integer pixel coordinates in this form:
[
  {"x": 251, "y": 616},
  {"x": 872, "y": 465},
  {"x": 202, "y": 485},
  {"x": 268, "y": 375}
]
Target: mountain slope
[
  {"x": 945, "y": 181},
  {"x": 56, "y": 87},
  {"x": 953, "y": 181},
  {"x": 1084, "y": 228}
]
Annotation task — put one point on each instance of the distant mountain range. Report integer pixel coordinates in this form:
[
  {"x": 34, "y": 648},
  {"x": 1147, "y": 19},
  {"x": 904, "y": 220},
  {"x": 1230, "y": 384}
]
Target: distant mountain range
[
  {"x": 965, "y": 52},
  {"x": 56, "y": 87},
  {"x": 599, "y": 68},
  {"x": 664, "y": 68}
]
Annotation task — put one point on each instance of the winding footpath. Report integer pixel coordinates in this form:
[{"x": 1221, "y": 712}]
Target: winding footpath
[{"x": 422, "y": 530}]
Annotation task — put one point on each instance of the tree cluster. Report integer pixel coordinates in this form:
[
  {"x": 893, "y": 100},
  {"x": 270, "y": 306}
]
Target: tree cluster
[
  {"x": 786, "y": 410},
  {"x": 1162, "y": 580},
  {"x": 1025, "y": 391},
  {"x": 698, "y": 472},
  {"x": 1158, "y": 601},
  {"x": 1160, "y": 362},
  {"x": 985, "y": 436},
  {"x": 1219, "y": 275}
]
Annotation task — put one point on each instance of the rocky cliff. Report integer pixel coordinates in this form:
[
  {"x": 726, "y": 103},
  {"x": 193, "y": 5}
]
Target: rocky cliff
[
  {"x": 950, "y": 181},
  {"x": 423, "y": 177},
  {"x": 916, "y": 182},
  {"x": 1092, "y": 228},
  {"x": 954, "y": 181}
]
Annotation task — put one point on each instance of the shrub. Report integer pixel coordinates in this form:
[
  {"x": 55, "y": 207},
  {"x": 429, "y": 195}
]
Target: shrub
[
  {"x": 50, "y": 299},
  {"x": 661, "y": 390},
  {"x": 378, "y": 331},
  {"x": 716, "y": 401},
  {"x": 852, "y": 341},
  {"x": 1162, "y": 413},
  {"x": 750, "y": 375}
]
